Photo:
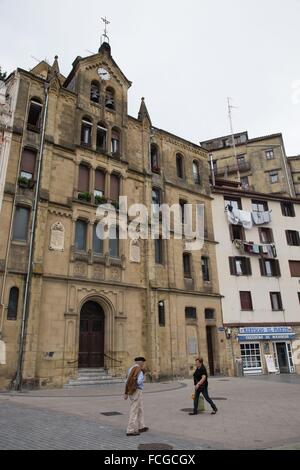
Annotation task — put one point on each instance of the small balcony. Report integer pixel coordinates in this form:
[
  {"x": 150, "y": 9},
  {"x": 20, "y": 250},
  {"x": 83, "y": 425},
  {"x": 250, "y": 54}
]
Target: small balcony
[{"x": 226, "y": 170}]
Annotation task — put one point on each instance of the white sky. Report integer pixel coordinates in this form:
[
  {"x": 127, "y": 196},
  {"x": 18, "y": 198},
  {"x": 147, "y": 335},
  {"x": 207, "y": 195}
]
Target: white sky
[{"x": 185, "y": 57}]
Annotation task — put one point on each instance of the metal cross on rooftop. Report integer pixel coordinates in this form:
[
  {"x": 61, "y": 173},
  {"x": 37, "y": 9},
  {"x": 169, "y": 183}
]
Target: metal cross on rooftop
[{"x": 106, "y": 22}]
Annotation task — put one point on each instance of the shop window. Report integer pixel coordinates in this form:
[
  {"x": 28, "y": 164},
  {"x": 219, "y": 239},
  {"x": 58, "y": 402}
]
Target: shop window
[{"x": 251, "y": 356}]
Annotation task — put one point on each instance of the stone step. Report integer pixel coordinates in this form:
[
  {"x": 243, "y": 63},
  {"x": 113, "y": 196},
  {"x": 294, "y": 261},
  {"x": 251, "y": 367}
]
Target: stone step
[
  {"x": 94, "y": 374},
  {"x": 72, "y": 384}
]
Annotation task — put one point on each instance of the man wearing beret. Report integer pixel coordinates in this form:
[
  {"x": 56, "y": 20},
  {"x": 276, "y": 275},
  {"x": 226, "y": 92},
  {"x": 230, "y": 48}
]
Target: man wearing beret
[{"x": 134, "y": 390}]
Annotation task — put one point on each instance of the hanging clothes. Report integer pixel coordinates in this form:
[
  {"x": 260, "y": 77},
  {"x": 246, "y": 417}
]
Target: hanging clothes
[
  {"x": 260, "y": 218},
  {"x": 245, "y": 219}
]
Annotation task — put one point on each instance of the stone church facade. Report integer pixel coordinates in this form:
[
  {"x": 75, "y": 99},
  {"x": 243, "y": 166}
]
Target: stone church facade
[{"x": 97, "y": 304}]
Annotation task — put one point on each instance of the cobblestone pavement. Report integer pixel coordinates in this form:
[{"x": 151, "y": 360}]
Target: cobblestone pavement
[{"x": 253, "y": 413}]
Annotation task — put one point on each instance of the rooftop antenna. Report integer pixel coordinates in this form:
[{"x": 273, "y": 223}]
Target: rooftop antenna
[
  {"x": 230, "y": 108},
  {"x": 104, "y": 37}
]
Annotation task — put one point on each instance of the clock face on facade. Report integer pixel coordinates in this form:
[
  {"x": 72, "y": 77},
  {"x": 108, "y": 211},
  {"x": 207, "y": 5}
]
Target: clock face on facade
[{"x": 103, "y": 74}]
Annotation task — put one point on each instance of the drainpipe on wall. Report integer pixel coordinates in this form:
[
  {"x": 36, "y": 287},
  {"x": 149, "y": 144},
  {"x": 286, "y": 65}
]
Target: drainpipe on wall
[{"x": 25, "y": 314}]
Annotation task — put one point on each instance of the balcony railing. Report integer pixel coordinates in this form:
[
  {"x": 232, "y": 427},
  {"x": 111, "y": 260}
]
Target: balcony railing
[{"x": 226, "y": 170}]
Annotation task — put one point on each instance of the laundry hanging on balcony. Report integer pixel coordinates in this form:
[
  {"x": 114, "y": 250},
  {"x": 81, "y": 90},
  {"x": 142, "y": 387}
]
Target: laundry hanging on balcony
[
  {"x": 239, "y": 217},
  {"x": 266, "y": 250},
  {"x": 260, "y": 218}
]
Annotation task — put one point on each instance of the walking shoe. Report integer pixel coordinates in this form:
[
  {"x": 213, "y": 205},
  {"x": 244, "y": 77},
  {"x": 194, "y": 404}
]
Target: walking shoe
[
  {"x": 191, "y": 414},
  {"x": 214, "y": 412},
  {"x": 133, "y": 434},
  {"x": 144, "y": 429}
]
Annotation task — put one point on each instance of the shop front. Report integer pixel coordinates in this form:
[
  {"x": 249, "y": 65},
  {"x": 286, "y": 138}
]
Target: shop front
[{"x": 266, "y": 350}]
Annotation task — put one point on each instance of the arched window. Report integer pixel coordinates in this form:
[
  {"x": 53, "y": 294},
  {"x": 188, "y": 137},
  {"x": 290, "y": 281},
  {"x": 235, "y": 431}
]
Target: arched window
[
  {"x": 86, "y": 132},
  {"x": 196, "y": 172},
  {"x": 155, "y": 159},
  {"x": 101, "y": 142},
  {"x": 161, "y": 314},
  {"x": 13, "y": 302},
  {"x": 110, "y": 98},
  {"x": 35, "y": 115},
  {"x": 115, "y": 142},
  {"x": 95, "y": 92},
  {"x": 179, "y": 165}
]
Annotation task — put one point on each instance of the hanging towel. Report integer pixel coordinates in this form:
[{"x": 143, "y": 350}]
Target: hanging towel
[
  {"x": 255, "y": 249},
  {"x": 260, "y": 218},
  {"x": 245, "y": 219},
  {"x": 233, "y": 217}
]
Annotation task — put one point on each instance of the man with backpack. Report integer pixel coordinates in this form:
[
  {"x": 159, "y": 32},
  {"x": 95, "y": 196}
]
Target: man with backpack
[{"x": 134, "y": 390}]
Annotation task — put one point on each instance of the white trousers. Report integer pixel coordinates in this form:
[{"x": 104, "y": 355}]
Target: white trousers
[{"x": 136, "y": 417}]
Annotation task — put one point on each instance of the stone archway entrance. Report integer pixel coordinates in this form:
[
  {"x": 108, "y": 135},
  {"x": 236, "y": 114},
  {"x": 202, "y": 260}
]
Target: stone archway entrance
[{"x": 91, "y": 337}]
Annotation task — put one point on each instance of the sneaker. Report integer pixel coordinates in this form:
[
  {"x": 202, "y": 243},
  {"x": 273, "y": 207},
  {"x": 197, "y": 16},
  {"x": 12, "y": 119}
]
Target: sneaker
[
  {"x": 214, "y": 412},
  {"x": 133, "y": 434},
  {"x": 191, "y": 414},
  {"x": 144, "y": 429}
]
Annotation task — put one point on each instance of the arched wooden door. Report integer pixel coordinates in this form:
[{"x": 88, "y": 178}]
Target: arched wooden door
[{"x": 91, "y": 339}]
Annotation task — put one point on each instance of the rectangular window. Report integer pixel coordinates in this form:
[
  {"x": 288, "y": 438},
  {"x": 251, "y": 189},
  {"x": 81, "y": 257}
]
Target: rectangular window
[
  {"x": 246, "y": 301},
  {"x": 276, "y": 301},
  {"x": 191, "y": 313},
  {"x": 28, "y": 162},
  {"x": 245, "y": 182},
  {"x": 240, "y": 266},
  {"x": 205, "y": 269},
  {"x": 114, "y": 187},
  {"x": 266, "y": 235},
  {"x": 21, "y": 223},
  {"x": 241, "y": 159},
  {"x": 182, "y": 207},
  {"x": 99, "y": 183},
  {"x": 287, "y": 209},
  {"x": 235, "y": 203},
  {"x": 269, "y": 154},
  {"x": 295, "y": 268},
  {"x": 209, "y": 314},
  {"x": 114, "y": 245},
  {"x": 237, "y": 232},
  {"x": 161, "y": 314},
  {"x": 274, "y": 177},
  {"x": 292, "y": 237},
  {"x": 259, "y": 206},
  {"x": 250, "y": 353},
  {"x": 34, "y": 116},
  {"x": 86, "y": 133},
  {"x": 84, "y": 179},
  {"x": 187, "y": 265},
  {"x": 80, "y": 235},
  {"x": 97, "y": 243},
  {"x": 269, "y": 267},
  {"x": 101, "y": 138},
  {"x": 159, "y": 251}
]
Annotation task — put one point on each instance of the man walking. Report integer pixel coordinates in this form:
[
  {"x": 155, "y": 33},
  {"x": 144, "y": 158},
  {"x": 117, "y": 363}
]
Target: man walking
[
  {"x": 134, "y": 389},
  {"x": 201, "y": 386}
]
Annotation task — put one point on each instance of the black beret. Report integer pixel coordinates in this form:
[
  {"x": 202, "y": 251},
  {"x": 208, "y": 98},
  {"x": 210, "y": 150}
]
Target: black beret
[{"x": 140, "y": 359}]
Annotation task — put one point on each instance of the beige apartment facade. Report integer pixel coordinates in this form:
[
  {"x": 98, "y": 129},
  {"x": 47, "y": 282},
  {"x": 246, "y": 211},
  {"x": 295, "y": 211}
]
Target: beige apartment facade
[
  {"x": 259, "y": 163},
  {"x": 258, "y": 261},
  {"x": 83, "y": 302},
  {"x": 294, "y": 164}
]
